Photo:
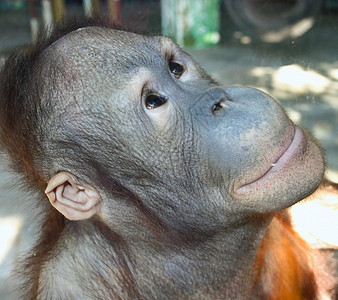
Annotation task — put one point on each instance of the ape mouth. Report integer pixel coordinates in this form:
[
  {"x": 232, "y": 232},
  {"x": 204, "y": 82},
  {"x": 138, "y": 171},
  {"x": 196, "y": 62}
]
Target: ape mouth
[{"x": 289, "y": 156}]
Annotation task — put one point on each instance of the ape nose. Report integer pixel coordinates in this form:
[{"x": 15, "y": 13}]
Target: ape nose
[
  {"x": 214, "y": 99},
  {"x": 219, "y": 105}
]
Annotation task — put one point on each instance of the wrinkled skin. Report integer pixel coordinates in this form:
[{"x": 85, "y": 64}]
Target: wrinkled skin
[
  {"x": 226, "y": 144},
  {"x": 200, "y": 170}
]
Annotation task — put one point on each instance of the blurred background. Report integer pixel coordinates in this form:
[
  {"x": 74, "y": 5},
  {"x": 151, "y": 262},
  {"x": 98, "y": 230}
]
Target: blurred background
[{"x": 288, "y": 48}]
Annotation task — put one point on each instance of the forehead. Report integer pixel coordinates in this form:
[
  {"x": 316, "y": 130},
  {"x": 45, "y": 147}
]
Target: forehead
[
  {"x": 96, "y": 63},
  {"x": 97, "y": 54},
  {"x": 112, "y": 39},
  {"x": 93, "y": 43}
]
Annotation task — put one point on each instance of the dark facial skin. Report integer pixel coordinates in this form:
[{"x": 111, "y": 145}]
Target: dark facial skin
[{"x": 171, "y": 179}]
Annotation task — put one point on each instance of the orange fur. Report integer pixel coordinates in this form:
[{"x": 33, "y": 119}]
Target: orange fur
[{"x": 284, "y": 265}]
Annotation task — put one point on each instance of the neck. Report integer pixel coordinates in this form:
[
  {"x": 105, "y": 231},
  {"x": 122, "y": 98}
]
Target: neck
[{"x": 218, "y": 264}]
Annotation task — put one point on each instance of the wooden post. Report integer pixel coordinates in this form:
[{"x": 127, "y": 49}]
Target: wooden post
[
  {"x": 47, "y": 14},
  {"x": 88, "y": 8},
  {"x": 58, "y": 10},
  {"x": 191, "y": 22},
  {"x": 115, "y": 10},
  {"x": 96, "y": 7},
  {"x": 91, "y": 8},
  {"x": 34, "y": 22}
]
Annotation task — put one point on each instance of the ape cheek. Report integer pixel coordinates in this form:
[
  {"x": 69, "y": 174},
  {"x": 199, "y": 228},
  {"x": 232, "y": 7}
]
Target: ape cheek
[
  {"x": 233, "y": 155},
  {"x": 295, "y": 174},
  {"x": 162, "y": 117}
]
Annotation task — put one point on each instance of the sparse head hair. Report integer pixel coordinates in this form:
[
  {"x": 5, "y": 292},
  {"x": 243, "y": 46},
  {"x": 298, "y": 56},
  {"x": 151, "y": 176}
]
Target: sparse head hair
[{"x": 23, "y": 114}]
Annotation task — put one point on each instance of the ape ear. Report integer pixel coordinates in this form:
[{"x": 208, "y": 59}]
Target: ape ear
[{"x": 74, "y": 201}]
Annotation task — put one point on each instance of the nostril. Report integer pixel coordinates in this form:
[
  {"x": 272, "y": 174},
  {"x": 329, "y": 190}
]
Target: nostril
[{"x": 218, "y": 106}]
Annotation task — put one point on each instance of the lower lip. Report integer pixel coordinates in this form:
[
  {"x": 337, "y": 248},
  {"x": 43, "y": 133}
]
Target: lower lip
[{"x": 296, "y": 148}]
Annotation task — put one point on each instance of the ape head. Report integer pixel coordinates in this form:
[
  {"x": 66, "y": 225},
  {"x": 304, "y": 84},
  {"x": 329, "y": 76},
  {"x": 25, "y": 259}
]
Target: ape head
[
  {"x": 173, "y": 181},
  {"x": 112, "y": 121}
]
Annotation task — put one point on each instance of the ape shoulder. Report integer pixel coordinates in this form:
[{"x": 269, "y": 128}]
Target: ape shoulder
[{"x": 289, "y": 268}]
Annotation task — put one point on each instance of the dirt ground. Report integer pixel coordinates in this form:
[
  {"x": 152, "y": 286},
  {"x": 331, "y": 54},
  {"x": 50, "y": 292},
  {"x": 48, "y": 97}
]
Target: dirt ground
[{"x": 302, "y": 74}]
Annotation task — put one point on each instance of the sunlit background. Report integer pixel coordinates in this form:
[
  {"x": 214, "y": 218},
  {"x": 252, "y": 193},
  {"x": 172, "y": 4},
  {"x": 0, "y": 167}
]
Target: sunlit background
[{"x": 301, "y": 72}]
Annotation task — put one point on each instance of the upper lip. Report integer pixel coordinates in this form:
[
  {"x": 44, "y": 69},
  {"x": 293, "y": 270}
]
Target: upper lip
[
  {"x": 287, "y": 147},
  {"x": 273, "y": 163}
]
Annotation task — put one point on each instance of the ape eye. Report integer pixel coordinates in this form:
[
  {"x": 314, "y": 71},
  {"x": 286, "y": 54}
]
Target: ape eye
[
  {"x": 176, "y": 69},
  {"x": 154, "y": 101}
]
